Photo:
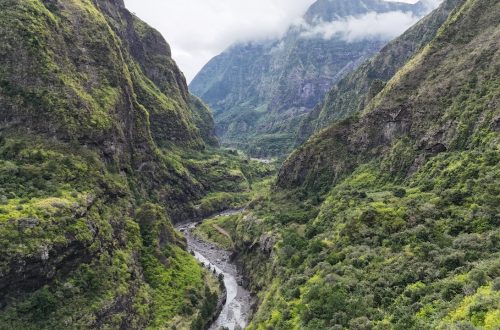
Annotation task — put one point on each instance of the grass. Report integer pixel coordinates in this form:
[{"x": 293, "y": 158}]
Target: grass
[
  {"x": 210, "y": 231},
  {"x": 178, "y": 290}
]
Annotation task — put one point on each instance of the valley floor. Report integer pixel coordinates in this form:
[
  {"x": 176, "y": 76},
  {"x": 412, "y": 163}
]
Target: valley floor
[{"x": 236, "y": 310}]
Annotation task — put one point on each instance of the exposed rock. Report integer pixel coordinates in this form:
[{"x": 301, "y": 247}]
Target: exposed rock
[
  {"x": 260, "y": 90},
  {"x": 26, "y": 223},
  {"x": 353, "y": 93},
  {"x": 88, "y": 95},
  {"x": 267, "y": 243},
  {"x": 421, "y": 104}
]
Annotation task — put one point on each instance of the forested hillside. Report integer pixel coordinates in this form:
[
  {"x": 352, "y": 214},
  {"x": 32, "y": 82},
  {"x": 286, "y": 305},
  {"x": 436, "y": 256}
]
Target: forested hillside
[
  {"x": 390, "y": 219},
  {"x": 100, "y": 148},
  {"x": 355, "y": 91},
  {"x": 261, "y": 90},
  {"x": 387, "y": 216}
]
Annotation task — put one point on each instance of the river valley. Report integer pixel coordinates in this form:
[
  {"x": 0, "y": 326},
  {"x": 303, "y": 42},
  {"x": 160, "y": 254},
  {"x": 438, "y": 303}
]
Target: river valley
[{"x": 236, "y": 310}]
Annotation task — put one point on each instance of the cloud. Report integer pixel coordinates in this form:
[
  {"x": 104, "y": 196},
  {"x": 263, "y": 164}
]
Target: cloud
[
  {"x": 432, "y": 4},
  {"x": 197, "y": 30},
  {"x": 372, "y": 25}
]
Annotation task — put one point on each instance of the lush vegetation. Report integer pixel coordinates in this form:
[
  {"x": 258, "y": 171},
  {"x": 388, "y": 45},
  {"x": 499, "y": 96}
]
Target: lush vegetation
[
  {"x": 68, "y": 229},
  {"x": 261, "y": 91},
  {"x": 97, "y": 245},
  {"x": 376, "y": 224},
  {"x": 101, "y": 148},
  {"x": 219, "y": 230},
  {"x": 352, "y": 93},
  {"x": 415, "y": 255},
  {"x": 388, "y": 220},
  {"x": 229, "y": 179}
]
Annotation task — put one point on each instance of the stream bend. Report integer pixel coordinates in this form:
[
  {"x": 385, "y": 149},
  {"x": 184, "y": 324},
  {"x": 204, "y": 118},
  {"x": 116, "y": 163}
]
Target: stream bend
[{"x": 236, "y": 311}]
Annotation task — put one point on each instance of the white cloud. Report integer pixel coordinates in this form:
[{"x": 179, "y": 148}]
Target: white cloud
[
  {"x": 371, "y": 25},
  {"x": 431, "y": 4},
  {"x": 197, "y": 30}
]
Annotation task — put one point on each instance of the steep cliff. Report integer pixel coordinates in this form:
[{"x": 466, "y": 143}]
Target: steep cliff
[
  {"x": 260, "y": 90},
  {"x": 444, "y": 99},
  {"x": 389, "y": 219},
  {"x": 353, "y": 92},
  {"x": 94, "y": 114}
]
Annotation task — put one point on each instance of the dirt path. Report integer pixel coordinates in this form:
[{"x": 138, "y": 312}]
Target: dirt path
[{"x": 223, "y": 232}]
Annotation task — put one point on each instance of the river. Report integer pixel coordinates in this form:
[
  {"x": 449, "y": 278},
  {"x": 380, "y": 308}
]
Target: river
[{"x": 236, "y": 312}]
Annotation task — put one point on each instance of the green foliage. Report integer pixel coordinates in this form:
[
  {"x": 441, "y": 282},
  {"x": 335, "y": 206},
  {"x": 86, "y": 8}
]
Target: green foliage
[
  {"x": 401, "y": 234},
  {"x": 178, "y": 288},
  {"x": 230, "y": 180},
  {"x": 380, "y": 256},
  {"x": 63, "y": 208},
  {"x": 261, "y": 92},
  {"x": 84, "y": 241},
  {"x": 353, "y": 92},
  {"x": 218, "y": 230},
  {"x": 400, "y": 229}
]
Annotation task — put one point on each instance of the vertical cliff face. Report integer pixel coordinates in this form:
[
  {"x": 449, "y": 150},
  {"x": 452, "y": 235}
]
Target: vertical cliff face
[
  {"x": 100, "y": 60},
  {"x": 352, "y": 93},
  {"x": 73, "y": 88},
  {"x": 92, "y": 111},
  {"x": 389, "y": 219},
  {"x": 425, "y": 102},
  {"x": 260, "y": 91}
]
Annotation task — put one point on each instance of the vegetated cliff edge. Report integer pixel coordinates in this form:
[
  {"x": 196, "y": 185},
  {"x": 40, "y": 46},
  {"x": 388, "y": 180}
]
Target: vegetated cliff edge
[
  {"x": 259, "y": 91},
  {"x": 389, "y": 220},
  {"x": 353, "y": 92},
  {"x": 442, "y": 100},
  {"x": 93, "y": 111}
]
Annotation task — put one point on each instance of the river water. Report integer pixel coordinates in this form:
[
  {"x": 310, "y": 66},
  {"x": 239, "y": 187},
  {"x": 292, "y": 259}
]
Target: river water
[{"x": 236, "y": 312}]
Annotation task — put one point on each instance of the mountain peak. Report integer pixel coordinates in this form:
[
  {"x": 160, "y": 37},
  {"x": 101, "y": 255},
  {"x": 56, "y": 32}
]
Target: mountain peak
[
  {"x": 260, "y": 92},
  {"x": 331, "y": 10}
]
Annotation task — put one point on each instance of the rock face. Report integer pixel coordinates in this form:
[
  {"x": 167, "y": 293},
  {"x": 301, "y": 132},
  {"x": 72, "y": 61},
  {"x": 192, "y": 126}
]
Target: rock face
[
  {"x": 259, "y": 91},
  {"x": 353, "y": 92},
  {"x": 384, "y": 220},
  {"x": 110, "y": 72},
  {"x": 91, "y": 104},
  {"x": 419, "y": 113}
]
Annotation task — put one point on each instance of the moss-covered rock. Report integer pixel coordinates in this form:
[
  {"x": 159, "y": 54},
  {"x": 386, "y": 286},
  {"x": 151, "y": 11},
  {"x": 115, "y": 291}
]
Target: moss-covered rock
[
  {"x": 389, "y": 220},
  {"x": 352, "y": 93},
  {"x": 94, "y": 116}
]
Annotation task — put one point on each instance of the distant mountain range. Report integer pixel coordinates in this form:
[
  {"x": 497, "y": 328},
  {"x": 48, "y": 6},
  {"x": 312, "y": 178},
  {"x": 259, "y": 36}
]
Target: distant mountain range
[{"x": 259, "y": 91}]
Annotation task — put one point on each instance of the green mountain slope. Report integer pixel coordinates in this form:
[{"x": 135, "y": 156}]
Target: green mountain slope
[
  {"x": 438, "y": 102},
  {"x": 354, "y": 92},
  {"x": 259, "y": 91},
  {"x": 96, "y": 121},
  {"x": 390, "y": 220}
]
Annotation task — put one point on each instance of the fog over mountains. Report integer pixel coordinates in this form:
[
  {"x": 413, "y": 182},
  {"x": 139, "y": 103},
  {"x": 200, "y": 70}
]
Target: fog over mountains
[{"x": 260, "y": 90}]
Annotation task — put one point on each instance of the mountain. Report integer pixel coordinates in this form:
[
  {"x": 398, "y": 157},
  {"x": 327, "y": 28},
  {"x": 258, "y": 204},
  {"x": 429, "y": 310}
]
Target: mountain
[
  {"x": 353, "y": 92},
  {"x": 388, "y": 219},
  {"x": 417, "y": 105},
  {"x": 260, "y": 90},
  {"x": 96, "y": 122}
]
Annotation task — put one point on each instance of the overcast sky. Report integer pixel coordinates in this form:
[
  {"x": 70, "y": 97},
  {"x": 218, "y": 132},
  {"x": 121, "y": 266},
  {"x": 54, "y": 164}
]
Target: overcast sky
[{"x": 197, "y": 30}]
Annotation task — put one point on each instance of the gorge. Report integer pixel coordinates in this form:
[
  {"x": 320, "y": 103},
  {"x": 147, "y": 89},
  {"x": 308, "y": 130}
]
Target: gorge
[{"x": 365, "y": 196}]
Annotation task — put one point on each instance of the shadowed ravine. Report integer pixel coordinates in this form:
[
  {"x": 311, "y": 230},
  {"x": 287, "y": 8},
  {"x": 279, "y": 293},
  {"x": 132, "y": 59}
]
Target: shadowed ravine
[{"x": 236, "y": 310}]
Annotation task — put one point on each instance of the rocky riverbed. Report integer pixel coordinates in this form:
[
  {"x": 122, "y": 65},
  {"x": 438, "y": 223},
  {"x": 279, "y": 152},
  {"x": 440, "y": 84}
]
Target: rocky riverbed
[{"x": 237, "y": 308}]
